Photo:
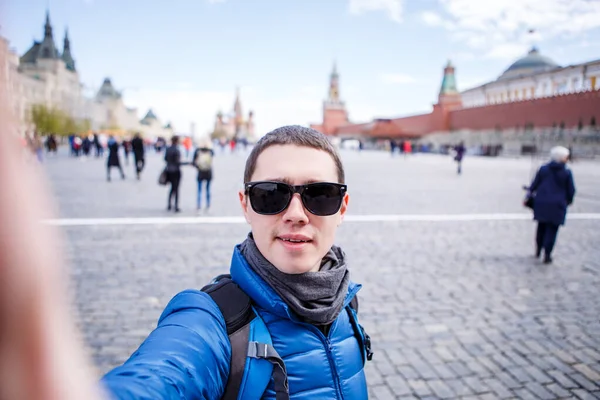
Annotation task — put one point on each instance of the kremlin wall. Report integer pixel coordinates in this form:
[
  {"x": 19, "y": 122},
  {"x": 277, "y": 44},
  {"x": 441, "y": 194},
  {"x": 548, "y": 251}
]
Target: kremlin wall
[{"x": 532, "y": 106}]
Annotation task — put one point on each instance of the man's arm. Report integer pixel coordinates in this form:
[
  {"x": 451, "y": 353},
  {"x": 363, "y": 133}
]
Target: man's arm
[{"x": 186, "y": 357}]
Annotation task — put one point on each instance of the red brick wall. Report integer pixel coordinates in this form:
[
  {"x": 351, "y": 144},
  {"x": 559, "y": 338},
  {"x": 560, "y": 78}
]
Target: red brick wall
[
  {"x": 333, "y": 119},
  {"x": 545, "y": 112},
  {"x": 415, "y": 125}
]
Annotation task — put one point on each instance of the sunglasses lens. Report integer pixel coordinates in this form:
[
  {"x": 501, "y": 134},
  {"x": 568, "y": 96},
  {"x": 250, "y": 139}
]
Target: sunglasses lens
[
  {"x": 269, "y": 197},
  {"x": 322, "y": 198}
]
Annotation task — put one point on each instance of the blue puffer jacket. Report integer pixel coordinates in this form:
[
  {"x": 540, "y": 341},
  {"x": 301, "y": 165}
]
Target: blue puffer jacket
[{"x": 187, "y": 355}]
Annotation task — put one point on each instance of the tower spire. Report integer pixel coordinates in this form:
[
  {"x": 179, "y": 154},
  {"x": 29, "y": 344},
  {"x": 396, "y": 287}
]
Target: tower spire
[
  {"x": 47, "y": 47},
  {"x": 67, "y": 56},
  {"x": 449, "y": 81},
  {"x": 334, "y": 85}
]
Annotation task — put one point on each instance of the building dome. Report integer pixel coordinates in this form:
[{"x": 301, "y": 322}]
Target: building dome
[{"x": 532, "y": 63}]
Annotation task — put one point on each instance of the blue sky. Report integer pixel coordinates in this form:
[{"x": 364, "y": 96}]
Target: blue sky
[{"x": 185, "y": 58}]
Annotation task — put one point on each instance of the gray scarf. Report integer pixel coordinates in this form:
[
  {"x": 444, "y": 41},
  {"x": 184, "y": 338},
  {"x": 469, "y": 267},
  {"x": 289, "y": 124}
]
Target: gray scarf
[{"x": 317, "y": 297}]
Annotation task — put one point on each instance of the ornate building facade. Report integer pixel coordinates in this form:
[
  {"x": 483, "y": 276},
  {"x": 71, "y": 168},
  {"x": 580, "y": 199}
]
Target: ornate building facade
[
  {"x": 534, "y": 76},
  {"x": 44, "y": 75},
  {"x": 234, "y": 125}
]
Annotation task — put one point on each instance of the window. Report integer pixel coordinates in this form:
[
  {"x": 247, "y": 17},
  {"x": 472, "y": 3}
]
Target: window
[{"x": 593, "y": 122}]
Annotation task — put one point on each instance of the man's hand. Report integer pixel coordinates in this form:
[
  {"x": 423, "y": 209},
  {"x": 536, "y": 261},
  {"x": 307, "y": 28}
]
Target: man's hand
[{"x": 41, "y": 356}]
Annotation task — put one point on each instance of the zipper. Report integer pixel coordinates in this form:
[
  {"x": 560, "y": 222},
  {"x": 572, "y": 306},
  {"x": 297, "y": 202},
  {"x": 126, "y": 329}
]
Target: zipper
[{"x": 334, "y": 370}]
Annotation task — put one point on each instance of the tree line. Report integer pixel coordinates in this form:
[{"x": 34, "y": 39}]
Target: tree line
[{"x": 51, "y": 120}]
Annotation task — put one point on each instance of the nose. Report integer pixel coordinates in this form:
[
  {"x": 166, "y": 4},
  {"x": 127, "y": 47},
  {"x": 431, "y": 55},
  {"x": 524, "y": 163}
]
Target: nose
[{"x": 295, "y": 213}]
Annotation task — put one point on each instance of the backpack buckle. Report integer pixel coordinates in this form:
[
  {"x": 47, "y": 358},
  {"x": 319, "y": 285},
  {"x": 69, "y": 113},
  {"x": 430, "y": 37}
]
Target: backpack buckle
[{"x": 367, "y": 344}]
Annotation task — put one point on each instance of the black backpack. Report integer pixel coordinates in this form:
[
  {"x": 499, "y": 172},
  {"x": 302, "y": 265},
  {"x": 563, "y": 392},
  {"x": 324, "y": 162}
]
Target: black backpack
[{"x": 236, "y": 307}]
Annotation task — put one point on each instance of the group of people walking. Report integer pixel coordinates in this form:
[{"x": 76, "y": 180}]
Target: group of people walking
[
  {"x": 114, "y": 161},
  {"x": 202, "y": 161}
]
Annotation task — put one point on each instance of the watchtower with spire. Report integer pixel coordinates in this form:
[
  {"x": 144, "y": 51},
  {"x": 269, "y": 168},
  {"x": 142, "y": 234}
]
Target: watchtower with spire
[
  {"x": 449, "y": 99},
  {"x": 334, "y": 109}
]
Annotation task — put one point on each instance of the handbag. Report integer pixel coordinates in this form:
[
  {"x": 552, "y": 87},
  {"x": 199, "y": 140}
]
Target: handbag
[
  {"x": 529, "y": 201},
  {"x": 162, "y": 178}
]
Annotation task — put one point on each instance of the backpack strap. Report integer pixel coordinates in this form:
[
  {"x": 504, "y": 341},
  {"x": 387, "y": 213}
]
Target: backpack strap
[
  {"x": 361, "y": 335},
  {"x": 236, "y": 307},
  {"x": 280, "y": 379}
]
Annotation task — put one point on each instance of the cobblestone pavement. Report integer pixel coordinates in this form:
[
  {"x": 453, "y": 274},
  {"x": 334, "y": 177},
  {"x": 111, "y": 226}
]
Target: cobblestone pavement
[{"x": 454, "y": 309}]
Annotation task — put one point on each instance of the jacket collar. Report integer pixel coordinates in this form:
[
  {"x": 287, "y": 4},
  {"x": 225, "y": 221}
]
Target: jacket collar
[{"x": 263, "y": 294}]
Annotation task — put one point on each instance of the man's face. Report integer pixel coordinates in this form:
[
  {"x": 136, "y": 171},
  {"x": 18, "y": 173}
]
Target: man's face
[{"x": 294, "y": 165}]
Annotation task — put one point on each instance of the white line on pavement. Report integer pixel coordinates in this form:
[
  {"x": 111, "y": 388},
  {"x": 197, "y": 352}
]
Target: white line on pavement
[{"x": 349, "y": 218}]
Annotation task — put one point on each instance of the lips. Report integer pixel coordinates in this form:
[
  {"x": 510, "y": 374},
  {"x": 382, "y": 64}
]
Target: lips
[
  {"x": 294, "y": 242},
  {"x": 294, "y": 238}
]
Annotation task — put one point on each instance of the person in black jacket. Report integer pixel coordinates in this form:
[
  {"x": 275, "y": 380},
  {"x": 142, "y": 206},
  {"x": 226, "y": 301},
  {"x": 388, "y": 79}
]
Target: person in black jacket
[
  {"x": 113, "y": 158},
  {"x": 173, "y": 169},
  {"x": 553, "y": 190},
  {"x": 137, "y": 145}
]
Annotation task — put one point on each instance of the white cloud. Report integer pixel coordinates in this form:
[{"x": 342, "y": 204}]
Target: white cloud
[
  {"x": 397, "y": 78},
  {"x": 431, "y": 18},
  {"x": 501, "y": 27},
  {"x": 394, "y": 8},
  {"x": 216, "y": 1}
]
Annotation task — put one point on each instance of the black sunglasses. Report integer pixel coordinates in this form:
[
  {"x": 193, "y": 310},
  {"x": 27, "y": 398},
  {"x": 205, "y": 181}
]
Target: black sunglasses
[{"x": 270, "y": 198}]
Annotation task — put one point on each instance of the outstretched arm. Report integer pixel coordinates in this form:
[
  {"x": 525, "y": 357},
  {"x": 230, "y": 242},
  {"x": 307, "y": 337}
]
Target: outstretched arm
[{"x": 186, "y": 356}]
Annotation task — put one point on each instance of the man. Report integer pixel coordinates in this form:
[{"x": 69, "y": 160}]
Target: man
[
  {"x": 137, "y": 144},
  {"x": 296, "y": 279},
  {"x": 553, "y": 190}
]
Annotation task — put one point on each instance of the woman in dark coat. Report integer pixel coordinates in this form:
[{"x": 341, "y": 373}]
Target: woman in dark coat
[
  {"x": 113, "y": 157},
  {"x": 553, "y": 190},
  {"x": 173, "y": 159}
]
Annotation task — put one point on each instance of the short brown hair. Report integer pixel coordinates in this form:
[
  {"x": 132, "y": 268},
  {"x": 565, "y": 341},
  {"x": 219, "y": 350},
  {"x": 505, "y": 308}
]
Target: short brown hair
[{"x": 295, "y": 135}]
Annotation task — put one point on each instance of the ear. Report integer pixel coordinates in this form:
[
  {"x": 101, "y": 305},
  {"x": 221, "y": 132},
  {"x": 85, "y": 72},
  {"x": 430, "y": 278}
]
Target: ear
[
  {"x": 244, "y": 204},
  {"x": 344, "y": 208}
]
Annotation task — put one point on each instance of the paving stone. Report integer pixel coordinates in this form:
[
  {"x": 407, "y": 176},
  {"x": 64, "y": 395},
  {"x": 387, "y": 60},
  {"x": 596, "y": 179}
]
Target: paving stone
[
  {"x": 499, "y": 388},
  {"x": 539, "y": 390},
  {"x": 558, "y": 390},
  {"x": 587, "y": 372},
  {"x": 563, "y": 380},
  {"x": 584, "y": 382},
  {"x": 440, "y": 389}
]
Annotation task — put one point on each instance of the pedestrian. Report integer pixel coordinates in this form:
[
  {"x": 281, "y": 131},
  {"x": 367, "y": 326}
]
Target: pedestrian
[
  {"x": 37, "y": 146},
  {"x": 406, "y": 148},
  {"x": 460, "y": 153},
  {"x": 284, "y": 324},
  {"x": 203, "y": 161},
  {"x": 552, "y": 191},
  {"x": 173, "y": 169},
  {"x": 86, "y": 145},
  {"x": 137, "y": 145},
  {"x": 126, "y": 150},
  {"x": 113, "y": 158}
]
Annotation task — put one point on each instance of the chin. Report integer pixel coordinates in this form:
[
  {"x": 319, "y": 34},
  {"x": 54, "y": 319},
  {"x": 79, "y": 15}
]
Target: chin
[{"x": 293, "y": 267}]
